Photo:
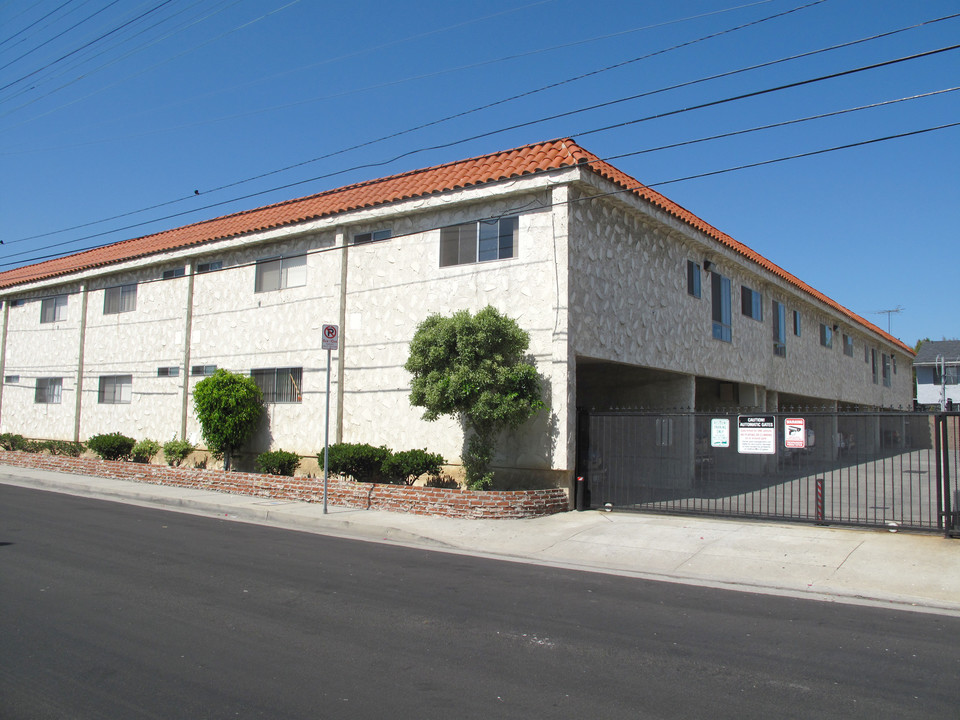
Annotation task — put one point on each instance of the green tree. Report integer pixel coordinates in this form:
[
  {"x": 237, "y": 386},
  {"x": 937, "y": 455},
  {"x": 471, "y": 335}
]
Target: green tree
[
  {"x": 472, "y": 368},
  {"x": 228, "y": 407}
]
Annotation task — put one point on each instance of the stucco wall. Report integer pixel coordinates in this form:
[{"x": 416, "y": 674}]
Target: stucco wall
[
  {"x": 41, "y": 350},
  {"x": 629, "y": 304},
  {"x": 377, "y": 292}
]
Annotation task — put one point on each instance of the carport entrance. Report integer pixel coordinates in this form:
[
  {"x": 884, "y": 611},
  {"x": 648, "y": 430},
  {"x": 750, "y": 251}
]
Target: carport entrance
[{"x": 881, "y": 469}]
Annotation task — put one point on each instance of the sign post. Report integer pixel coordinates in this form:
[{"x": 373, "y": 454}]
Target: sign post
[{"x": 330, "y": 341}]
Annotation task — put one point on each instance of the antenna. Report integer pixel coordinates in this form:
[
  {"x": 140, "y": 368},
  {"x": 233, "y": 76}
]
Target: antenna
[{"x": 890, "y": 313}]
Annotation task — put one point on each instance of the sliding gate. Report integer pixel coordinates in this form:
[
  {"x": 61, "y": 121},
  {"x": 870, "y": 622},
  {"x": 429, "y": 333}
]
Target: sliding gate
[{"x": 881, "y": 469}]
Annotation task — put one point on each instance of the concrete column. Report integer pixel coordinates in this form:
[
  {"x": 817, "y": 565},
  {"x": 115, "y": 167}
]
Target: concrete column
[
  {"x": 84, "y": 292},
  {"x": 563, "y": 371},
  {"x": 3, "y": 352},
  {"x": 343, "y": 243},
  {"x": 187, "y": 336}
]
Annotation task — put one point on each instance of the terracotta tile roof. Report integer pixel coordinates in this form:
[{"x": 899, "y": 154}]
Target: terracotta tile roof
[{"x": 526, "y": 160}]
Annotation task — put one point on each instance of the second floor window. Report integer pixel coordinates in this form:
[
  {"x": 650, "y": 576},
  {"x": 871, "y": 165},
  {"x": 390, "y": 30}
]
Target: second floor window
[
  {"x": 120, "y": 299},
  {"x": 826, "y": 335},
  {"x": 720, "y": 299},
  {"x": 281, "y": 272},
  {"x": 751, "y": 303},
  {"x": 479, "y": 241},
  {"x": 779, "y": 329},
  {"x": 693, "y": 278},
  {"x": 53, "y": 309}
]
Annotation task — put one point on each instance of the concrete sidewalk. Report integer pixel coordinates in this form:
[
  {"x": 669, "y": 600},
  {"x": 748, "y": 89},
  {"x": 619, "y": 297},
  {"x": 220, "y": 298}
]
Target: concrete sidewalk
[{"x": 878, "y": 568}]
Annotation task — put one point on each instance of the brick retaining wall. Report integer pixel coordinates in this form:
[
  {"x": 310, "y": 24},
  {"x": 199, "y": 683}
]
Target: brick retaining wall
[{"x": 444, "y": 502}]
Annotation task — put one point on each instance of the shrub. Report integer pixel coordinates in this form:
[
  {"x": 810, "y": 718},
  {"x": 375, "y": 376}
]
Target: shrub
[
  {"x": 144, "y": 451},
  {"x": 360, "y": 461},
  {"x": 176, "y": 451},
  {"x": 112, "y": 446},
  {"x": 229, "y": 407},
  {"x": 64, "y": 447},
  {"x": 278, "y": 462},
  {"x": 404, "y": 467},
  {"x": 10, "y": 441}
]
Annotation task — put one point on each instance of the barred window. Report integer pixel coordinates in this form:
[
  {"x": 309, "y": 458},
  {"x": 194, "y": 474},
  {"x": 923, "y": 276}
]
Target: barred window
[
  {"x": 279, "y": 385},
  {"x": 48, "y": 391}
]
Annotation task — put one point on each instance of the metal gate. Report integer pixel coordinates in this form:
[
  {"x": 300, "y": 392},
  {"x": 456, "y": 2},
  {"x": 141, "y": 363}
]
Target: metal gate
[{"x": 879, "y": 469}]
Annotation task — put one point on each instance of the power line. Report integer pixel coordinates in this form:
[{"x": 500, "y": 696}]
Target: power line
[
  {"x": 82, "y": 61},
  {"x": 35, "y": 22},
  {"x": 589, "y": 198},
  {"x": 461, "y": 114}
]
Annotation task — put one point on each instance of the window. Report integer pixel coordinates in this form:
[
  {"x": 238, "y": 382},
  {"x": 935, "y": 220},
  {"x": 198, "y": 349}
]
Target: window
[
  {"x": 720, "y": 297},
  {"x": 478, "y": 241},
  {"x": 281, "y": 272},
  {"x": 19, "y": 302},
  {"x": 279, "y": 385},
  {"x": 751, "y": 303},
  {"x": 873, "y": 365},
  {"x": 796, "y": 323},
  {"x": 211, "y": 266},
  {"x": 168, "y": 371},
  {"x": 120, "y": 299},
  {"x": 949, "y": 376},
  {"x": 53, "y": 309},
  {"x": 11, "y": 378},
  {"x": 174, "y": 273},
  {"x": 826, "y": 336},
  {"x": 375, "y": 236},
  {"x": 48, "y": 391},
  {"x": 847, "y": 345},
  {"x": 779, "y": 329},
  {"x": 866, "y": 353},
  {"x": 203, "y": 369},
  {"x": 693, "y": 278},
  {"x": 115, "y": 389},
  {"x": 886, "y": 370}
]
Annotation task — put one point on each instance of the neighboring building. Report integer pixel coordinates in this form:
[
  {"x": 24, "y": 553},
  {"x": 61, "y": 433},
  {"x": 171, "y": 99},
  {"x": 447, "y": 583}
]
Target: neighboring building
[
  {"x": 937, "y": 365},
  {"x": 629, "y": 299}
]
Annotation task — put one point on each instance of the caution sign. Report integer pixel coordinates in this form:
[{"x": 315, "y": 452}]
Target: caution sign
[
  {"x": 794, "y": 433},
  {"x": 757, "y": 434}
]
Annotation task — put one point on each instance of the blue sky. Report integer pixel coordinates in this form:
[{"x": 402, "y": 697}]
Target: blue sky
[{"x": 108, "y": 108}]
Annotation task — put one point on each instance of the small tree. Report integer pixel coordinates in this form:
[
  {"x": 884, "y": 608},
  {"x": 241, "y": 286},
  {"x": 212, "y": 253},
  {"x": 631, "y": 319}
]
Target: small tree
[
  {"x": 228, "y": 407},
  {"x": 472, "y": 368}
]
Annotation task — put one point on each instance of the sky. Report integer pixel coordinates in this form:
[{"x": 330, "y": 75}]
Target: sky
[{"x": 121, "y": 118}]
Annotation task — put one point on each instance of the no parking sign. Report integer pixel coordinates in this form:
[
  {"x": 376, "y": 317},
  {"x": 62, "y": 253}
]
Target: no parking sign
[{"x": 330, "y": 339}]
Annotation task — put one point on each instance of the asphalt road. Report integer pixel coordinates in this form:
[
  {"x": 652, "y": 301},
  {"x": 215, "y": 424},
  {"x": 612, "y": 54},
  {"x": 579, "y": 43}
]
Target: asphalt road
[{"x": 115, "y": 611}]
